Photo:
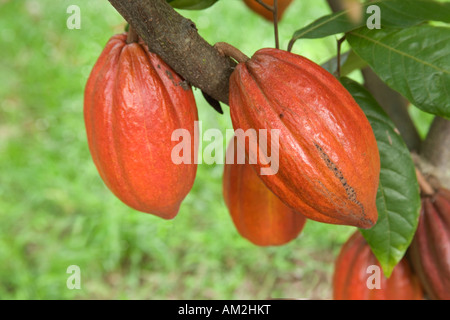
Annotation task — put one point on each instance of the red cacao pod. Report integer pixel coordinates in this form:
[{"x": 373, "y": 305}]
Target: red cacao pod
[
  {"x": 329, "y": 163},
  {"x": 351, "y": 275},
  {"x": 267, "y": 14},
  {"x": 258, "y": 215},
  {"x": 133, "y": 103},
  {"x": 429, "y": 252}
]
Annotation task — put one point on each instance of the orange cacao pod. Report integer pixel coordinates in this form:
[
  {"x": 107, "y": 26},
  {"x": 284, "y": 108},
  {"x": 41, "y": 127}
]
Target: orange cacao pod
[
  {"x": 329, "y": 163},
  {"x": 259, "y": 216},
  {"x": 133, "y": 103},
  {"x": 351, "y": 275},
  {"x": 263, "y": 12},
  {"x": 429, "y": 252}
]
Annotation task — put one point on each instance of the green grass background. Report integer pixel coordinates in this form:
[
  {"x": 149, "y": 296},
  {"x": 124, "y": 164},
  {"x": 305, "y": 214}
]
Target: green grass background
[{"x": 55, "y": 210}]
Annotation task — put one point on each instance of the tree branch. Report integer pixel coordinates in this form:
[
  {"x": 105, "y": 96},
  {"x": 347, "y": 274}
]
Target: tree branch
[
  {"x": 395, "y": 105},
  {"x": 335, "y": 5},
  {"x": 436, "y": 151},
  {"x": 176, "y": 40}
]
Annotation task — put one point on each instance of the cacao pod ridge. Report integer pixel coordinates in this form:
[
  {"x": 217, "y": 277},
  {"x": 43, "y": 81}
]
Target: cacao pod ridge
[{"x": 429, "y": 251}]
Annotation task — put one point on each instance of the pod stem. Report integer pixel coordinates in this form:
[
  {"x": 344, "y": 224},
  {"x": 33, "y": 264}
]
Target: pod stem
[
  {"x": 275, "y": 24},
  {"x": 339, "y": 47},
  {"x": 230, "y": 51},
  {"x": 274, "y": 10},
  {"x": 132, "y": 35},
  {"x": 425, "y": 187}
]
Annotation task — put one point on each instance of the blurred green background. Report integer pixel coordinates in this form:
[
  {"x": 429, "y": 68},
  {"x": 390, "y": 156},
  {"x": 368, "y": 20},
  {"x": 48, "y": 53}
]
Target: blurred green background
[{"x": 55, "y": 210}]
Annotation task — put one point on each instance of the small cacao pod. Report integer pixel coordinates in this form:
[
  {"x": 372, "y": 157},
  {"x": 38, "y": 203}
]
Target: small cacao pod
[
  {"x": 133, "y": 102},
  {"x": 258, "y": 215},
  {"x": 351, "y": 275},
  {"x": 329, "y": 163},
  {"x": 267, "y": 14},
  {"x": 429, "y": 252}
]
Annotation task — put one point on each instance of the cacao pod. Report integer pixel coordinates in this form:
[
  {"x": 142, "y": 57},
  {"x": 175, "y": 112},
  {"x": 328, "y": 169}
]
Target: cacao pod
[
  {"x": 263, "y": 12},
  {"x": 259, "y": 216},
  {"x": 133, "y": 102},
  {"x": 351, "y": 275},
  {"x": 429, "y": 252},
  {"x": 329, "y": 163}
]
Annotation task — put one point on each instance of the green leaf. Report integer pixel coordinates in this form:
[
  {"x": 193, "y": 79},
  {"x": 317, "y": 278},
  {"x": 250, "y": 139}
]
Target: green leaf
[
  {"x": 413, "y": 61},
  {"x": 338, "y": 22},
  {"x": 349, "y": 63},
  {"x": 398, "y": 197},
  {"x": 331, "y": 64},
  {"x": 399, "y": 13},
  {"x": 406, "y": 13},
  {"x": 191, "y": 4},
  {"x": 352, "y": 63}
]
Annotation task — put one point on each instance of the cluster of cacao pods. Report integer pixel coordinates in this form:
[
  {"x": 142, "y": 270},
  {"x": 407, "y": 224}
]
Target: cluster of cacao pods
[
  {"x": 429, "y": 251},
  {"x": 327, "y": 156},
  {"x": 133, "y": 103},
  {"x": 358, "y": 275},
  {"x": 326, "y": 153}
]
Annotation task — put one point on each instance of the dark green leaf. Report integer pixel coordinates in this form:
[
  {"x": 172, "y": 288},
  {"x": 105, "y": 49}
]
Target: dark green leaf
[
  {"x": 398, "y": 197},
  {"x": 191, "y": 4},
  {"x": 399, "y": 13},
  {"x": 338, "y": 22},
  {"x": 352, "y": 63},
  {"x": 349, "y": 62},
  {"x": 406, "y": 13},
  {"x": 413, "y": 61},
  {"x": 331, "y": 64}
]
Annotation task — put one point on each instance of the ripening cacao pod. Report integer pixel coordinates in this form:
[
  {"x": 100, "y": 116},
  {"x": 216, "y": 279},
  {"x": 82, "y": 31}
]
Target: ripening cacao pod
[
  {"x": 267, "y": 14},
  {"x": 354, "y": 275},
  {"x": 259, "y": 216},
  {"x": 429, "y": 252},
  {"x": 133, "y": 102},
  {"x": 328, "y": 159}
]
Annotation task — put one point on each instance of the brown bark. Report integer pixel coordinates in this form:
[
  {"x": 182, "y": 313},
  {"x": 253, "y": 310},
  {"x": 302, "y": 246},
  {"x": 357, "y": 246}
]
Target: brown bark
[
  {"x": 176, "y": 40},
  {"x": 395, "y": 105},
  {"x": 435, "y": 151},
  {"x": 335, "y": 5}
]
